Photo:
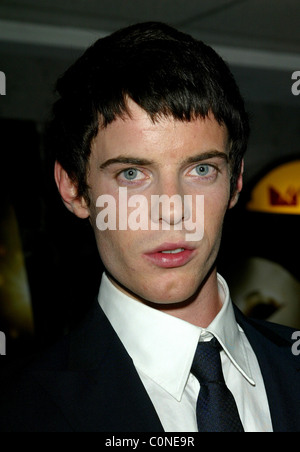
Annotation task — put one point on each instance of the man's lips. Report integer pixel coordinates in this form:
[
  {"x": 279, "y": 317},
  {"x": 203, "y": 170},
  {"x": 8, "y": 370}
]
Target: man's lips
[
  {"x": 172, "y": 247},
  {"x": 171, "y": 255}
]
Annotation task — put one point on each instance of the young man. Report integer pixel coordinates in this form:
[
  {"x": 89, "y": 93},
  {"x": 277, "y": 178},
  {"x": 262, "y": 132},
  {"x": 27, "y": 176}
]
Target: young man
[{"x": 149, "y": 134}]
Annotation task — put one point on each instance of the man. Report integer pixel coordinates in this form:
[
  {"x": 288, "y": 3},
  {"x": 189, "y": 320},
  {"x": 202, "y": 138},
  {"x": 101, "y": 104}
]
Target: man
[{"x": 146, "y": 117}]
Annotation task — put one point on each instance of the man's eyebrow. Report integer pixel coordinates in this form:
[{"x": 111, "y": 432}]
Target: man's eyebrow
[
  {"x": 206, "y": 156},
  {"x": 145, "y": 162},
  {"x": 126, "y": 160}
]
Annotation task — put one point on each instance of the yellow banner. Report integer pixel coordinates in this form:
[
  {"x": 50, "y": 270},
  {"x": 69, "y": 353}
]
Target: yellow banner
[{"x": 279, "y": 191}]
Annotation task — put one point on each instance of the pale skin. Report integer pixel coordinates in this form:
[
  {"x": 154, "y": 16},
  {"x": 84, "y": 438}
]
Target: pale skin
[{"x": 162, "y": 157}]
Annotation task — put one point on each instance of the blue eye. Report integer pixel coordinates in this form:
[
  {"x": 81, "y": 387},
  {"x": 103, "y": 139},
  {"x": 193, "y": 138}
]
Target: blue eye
[
  {"x": 131, "y": 177},
  {"x": 130, "y": 174},
  {"x": 203, "y": 170}
]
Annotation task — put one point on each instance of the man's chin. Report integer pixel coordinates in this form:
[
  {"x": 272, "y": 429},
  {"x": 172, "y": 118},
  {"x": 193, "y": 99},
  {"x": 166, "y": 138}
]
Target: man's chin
[
  {"x": 179, "y": 295},
  {"x": 177, "y": 290},
  {"x": 164, "y": 289}
]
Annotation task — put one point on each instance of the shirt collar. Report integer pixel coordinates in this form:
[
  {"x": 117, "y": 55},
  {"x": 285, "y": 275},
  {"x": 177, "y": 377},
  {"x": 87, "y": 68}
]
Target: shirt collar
[
  {"x": 226, "y": 329},
  {"x": 163, "y": 346}
]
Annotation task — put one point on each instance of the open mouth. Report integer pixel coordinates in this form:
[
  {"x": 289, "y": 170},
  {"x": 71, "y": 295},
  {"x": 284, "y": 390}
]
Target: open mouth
[
  {"x": 171, "y": 255},
  {"x": 178, "y": 250}
]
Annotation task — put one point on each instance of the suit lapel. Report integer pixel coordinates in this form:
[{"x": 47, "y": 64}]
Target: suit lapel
[
  {"x": 280, "y": 371},
  {"x": 93, "y": 380},
  {"x": 101, "y": 390}
]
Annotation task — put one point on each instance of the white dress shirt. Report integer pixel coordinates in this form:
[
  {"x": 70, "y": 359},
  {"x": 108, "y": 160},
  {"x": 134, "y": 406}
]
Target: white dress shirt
[{"x": 162, "y": 348}]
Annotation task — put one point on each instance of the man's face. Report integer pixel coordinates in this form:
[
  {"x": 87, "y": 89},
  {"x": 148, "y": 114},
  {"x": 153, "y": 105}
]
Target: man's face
[{"x": 166, "y": 157}]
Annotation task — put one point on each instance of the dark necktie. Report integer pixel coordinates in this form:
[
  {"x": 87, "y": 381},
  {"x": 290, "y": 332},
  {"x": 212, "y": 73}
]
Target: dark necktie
[{"x": 216, "y": 407}]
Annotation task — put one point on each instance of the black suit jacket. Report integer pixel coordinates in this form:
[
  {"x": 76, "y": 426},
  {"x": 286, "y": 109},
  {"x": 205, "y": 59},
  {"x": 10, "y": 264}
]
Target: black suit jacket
[{"x": 88, "y": 383}]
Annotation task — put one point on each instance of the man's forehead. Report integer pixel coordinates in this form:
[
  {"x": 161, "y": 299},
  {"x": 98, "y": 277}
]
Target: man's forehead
[{"x": 136, "y": 123}]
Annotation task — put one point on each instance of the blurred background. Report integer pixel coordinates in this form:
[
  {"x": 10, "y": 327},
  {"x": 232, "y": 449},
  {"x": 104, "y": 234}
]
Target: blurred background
[{"x": 49, "y": 267}]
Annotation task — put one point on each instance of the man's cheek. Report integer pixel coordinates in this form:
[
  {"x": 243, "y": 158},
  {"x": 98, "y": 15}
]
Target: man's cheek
[
  {"x": 106, "y": 245},
  {"x": 214, "y": 215},
  {"x": 115, "y": 246}
]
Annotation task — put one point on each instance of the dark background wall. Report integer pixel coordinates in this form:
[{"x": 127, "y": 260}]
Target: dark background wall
[{"x": 39, "y": 40}]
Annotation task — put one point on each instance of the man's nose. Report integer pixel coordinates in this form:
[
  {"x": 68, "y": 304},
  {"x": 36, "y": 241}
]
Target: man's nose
[{"x": 168, "y": 206}]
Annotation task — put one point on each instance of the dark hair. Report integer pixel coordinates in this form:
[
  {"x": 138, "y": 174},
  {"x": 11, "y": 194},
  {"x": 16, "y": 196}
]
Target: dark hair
[{"x": 166, "y": 72}]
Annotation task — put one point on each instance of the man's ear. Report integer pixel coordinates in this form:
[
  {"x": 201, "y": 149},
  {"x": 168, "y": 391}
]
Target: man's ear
[
  {"x": 68, "y": 193},
  {"x": 239, "y": 187}
]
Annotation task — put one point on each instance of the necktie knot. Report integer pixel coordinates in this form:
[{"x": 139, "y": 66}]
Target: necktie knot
[{"x": 207, "y": 366}]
